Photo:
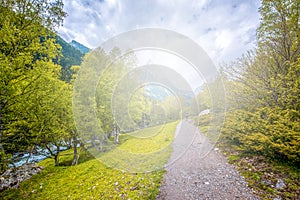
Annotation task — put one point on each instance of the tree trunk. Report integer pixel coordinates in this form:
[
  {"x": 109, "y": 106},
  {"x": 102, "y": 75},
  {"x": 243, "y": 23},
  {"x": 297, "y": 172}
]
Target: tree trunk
[
  {"x": 116, "y": 134},
  {"x": 56, "y": 158},
  {"x": 93, "y": 140},
  {"x": 1, "y": 146},
  {"x": 101, "y": 144},
  {"x": 116, "y": 138},
  {"x": 1, "y": 127},
  {"x": 3, "y": 158},
  {"x": 75, "y": 155}
]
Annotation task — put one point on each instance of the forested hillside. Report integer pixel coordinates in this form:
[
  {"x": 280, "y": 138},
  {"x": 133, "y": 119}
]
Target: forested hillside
[
  {"x": 70, "y": 56},
  {"x": 83, "y": 49}
]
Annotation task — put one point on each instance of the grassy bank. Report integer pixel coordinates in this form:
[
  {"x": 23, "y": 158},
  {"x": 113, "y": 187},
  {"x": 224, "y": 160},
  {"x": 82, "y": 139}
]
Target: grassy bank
[
  {"x": 270, "y": 179},
  {"x": 91, "y": 179}
]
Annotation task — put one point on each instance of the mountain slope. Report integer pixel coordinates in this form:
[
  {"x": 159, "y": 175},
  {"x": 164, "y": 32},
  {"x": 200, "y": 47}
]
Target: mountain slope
[
  {"x": 83, "y": 49},
  {"x": 70, "y": 57}
]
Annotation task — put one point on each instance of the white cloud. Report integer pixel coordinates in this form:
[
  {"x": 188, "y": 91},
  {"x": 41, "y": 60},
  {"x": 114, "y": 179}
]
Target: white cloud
[
  {"x": 111, "y": 3},
  {"x": 223, "y": 39},
  {"x": 225, "y": 29}
]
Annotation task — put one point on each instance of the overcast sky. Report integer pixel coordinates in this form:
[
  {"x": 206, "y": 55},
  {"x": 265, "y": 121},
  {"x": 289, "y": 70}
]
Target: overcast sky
[{"x": 225, "y": 29}]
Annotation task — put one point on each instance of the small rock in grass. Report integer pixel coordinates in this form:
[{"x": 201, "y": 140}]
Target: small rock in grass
[{"x": 280, "y": 184}]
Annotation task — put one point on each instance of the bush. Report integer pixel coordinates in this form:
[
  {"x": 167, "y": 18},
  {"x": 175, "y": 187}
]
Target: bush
[{"x": 272, "y": 132}]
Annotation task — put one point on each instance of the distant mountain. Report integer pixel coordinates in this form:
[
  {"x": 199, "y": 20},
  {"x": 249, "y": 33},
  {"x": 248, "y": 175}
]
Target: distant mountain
[
  {"x": 83, "y": 49},
  {"x": 159, "y": 93},
  {"x": 70, "y": 57},
  {"x": 169, "y": 82},
  {"x": 156, "y": 92}
]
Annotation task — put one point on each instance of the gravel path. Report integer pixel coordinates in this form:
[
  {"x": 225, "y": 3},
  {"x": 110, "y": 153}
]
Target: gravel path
[{"x": 198, "y": 171}]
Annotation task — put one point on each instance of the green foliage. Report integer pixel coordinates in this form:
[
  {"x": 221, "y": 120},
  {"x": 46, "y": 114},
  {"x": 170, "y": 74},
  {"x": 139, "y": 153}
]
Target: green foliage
[
  {"x": 212, "y": 96},
  {"x": 272, "y": 132},
  {"x": 29, "y": 80},
  {"x": 116, "y": 100},
  {"x": 203, "y": 123},
  {"x": 263, "y": 88},
  {"x": 92, "y": 179},
  {"x": 70, "y": 56},
  {"x": 139, "y": 108},
  {"x": 118, "y": 103},
  {"x": 171, "y": 106},
  {"x": 233, "y": 158},
  {"x": 204, "y": 120}
]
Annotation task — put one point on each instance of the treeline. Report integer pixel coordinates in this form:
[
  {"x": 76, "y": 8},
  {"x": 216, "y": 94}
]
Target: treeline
[
  {"x": 35, "y": 104},
  {"x": 37, "y": 78},
  {"x": 110, "y": 98},
  {"x": 263, "y": 88}
]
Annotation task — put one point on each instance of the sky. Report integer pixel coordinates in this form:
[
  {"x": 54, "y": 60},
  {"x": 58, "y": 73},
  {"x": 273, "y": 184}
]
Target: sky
[{"x": 225, "y": 29}]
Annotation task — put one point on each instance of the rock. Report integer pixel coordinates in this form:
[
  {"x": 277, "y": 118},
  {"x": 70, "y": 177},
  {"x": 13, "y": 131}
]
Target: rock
[
  {"x": 266, "y": 182},
  {"x": 12, "y": 177},
  {"x": 199, "y": 175},
  {"x": 280, "y": 184}
]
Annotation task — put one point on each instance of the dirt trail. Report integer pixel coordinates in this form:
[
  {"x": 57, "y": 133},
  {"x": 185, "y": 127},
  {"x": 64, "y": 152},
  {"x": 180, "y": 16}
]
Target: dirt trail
[{"x": 197, "y": 171}]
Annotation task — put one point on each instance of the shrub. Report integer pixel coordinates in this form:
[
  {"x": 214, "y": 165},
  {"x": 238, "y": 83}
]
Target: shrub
[{"x": 272, "y": 132}]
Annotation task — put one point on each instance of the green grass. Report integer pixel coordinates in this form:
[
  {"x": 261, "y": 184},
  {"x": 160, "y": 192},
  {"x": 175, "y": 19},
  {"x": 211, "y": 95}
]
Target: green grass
[
  {"x": 203, "y": 123},
  {"x": 209, "y": 128},
  {"x": 267, "y": 170},
  {"x": 232, "y": 158},
  {"x": 143, "y": 153},
  {"x": 91, "y": 179},
  {"x": 147, "y": 132},
  {"x": 262, "y": 175},
  {"x": 149, "y": 140}
]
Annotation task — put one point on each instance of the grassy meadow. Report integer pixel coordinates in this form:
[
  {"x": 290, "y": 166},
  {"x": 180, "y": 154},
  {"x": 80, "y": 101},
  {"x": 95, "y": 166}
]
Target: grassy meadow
[{"x": 92, "y": 179}]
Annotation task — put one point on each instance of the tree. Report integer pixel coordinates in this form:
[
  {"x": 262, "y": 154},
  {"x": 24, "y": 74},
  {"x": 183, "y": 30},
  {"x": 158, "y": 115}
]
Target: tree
[
  {"x": 26, "y": 49},
  {"x": 172, "y": 108},
  {"x": 263, "y": 74},
  {"x": 264, "y": 87}
]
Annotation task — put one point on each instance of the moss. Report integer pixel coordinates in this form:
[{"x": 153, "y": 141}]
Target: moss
[{"x": 232, "y": 158}]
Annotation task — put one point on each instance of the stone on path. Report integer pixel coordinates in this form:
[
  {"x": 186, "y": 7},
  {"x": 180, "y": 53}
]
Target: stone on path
[{"x": 196, "y": 170}]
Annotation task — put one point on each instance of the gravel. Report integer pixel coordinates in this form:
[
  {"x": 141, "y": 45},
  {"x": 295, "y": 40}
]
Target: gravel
[
  {"x": 12, "y": 177},
  {"x": 198, "y": 171}
]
